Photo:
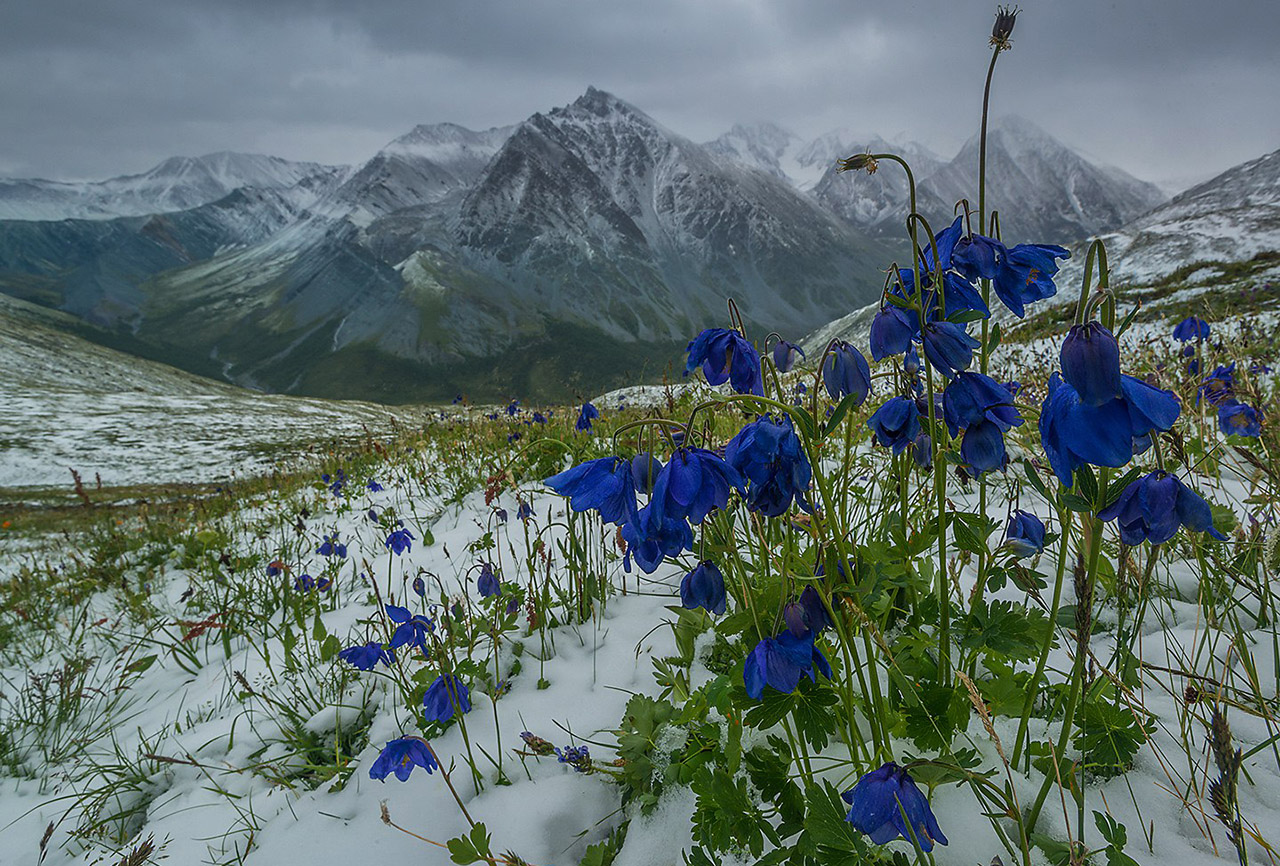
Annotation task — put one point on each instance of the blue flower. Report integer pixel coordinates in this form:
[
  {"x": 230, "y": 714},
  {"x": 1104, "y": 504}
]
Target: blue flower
[
  {"x": 585, "y": 417},
  {"x": 525, "y": 511},
  {"x": 1237, "y": 419},
  {"x": 374, "y": 487},
  {"x": 922, "y": 451},
  {"x": 400, "y": 541},
  {"x": 366, "y": 657},
  {"x": 1219, "y": 385},
  {"x": 275, "y": 568},
  {"x": 420, "y": 587},
  {"x": 845, "y": 372},
  {"x": 806, "y": 614},
  {"x": 513, "y": 408},
  {"x": 1025, "y": 534},
  {"x": 604, "y": 484},
  {"x": 651, "y": 538},
  {"x": 1074, "y": 433},
  {"x": 644, "y": 471},
  {"x": 1191, "y": 328},
  {"x": 726, "y": 356},
  {"x": 911, "y": 362},
  {"x": 896, "y": 423},
  {"x": 881, "y": 799},
  {"x": 693, "y": 482},
  {"x": 984, "y": 409},
  {"x": 785, "y": 355},
  {"x": 578, "y": 757},
  {"x": 305, "y": 583},
  {"x": 487, "y": 582},
  {"x": 1153, "y": 507},
  {"x": 977, "y": 257},
  {"x": 332, "y": 547},
  {"x": 401, "y": 756},
  {"x": 411, "y": 629},
  {"x": 1091, "y": 363},
  {"x": 891, "y": 332},
  {"x": 947, "y": 346},
  {"x": 780, "y": 662},
  {"x": 1026, "y": 274},
  {"x": 703, "y": 588},
  {"x": 769, "y": 455},
  {"x": 443, "y": 697}
]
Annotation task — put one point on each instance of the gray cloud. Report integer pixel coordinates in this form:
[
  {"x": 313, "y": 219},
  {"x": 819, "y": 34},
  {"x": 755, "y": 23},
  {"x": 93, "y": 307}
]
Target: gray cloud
[{"x": 1166, "y": 90}]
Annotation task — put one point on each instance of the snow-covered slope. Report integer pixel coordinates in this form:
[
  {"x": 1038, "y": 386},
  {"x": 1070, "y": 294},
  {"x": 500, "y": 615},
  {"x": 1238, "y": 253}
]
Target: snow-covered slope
[{"x": 178, "y": 183}]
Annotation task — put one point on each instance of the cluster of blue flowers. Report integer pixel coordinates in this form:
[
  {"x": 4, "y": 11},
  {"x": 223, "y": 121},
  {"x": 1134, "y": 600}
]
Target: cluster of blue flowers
[{"x": 332, "y": 547}]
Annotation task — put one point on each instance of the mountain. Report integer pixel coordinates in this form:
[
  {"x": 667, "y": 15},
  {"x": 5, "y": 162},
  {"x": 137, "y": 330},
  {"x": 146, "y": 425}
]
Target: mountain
[
  {"x": 578, "y": 250},
  {"x": 1045, "y": 192},
  {"x": 1229, "y": 218},
  {"x": 876, "y": 202},
  {"x": 178, "y": 183}
]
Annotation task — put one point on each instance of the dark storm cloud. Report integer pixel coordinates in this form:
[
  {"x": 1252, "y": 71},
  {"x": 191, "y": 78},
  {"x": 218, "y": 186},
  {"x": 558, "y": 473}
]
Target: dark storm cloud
[{"x": 1163, "y": 89}]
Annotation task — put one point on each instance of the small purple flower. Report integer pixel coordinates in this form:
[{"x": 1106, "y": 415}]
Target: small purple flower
[
  {"x": 1191, "y": 328},
  {"x": 881, "y": 799},
  {"x": 578, "y": 757},
  {"x": 525, "y": 511},
  {"x": 785, "y": 356},
  {"x": 1238, "y": 419},
  {"x": 304, "y": 583},
  {"x": 586, "y": 415},
  {"x": 445, "y": 696},
  {"x": 366, "y": 657},
  {"x": 487, "y": 582}
]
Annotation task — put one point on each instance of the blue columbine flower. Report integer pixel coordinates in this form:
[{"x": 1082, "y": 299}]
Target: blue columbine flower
[
  {"x": 984, "y": 409},
  {"x": 896, "y": 423},
  {"x": 332, "y": 547},
  {"x": 487, "y": 582},
  {"x": 374, "y": 487},
  {"x": 604, "y": 484},
  {"x": 400, "y": 541},
  {"x": 401, "y": 756},
  {"x": 977, "y": 257},
  {"x": 411, "y": 629},
  {"x": 806, "y": 614},
  {"x": 644, "y": 471},
  {"x": 525, "y": 511},
  {"x": 1191, "y": 328},
  {"x": 1024, "y": 535},
  {"x": 1153, "y": 507},
  {"x": 693, "y": 482},
  {"x": 1091, "y": 363},
  {"x": 769, "y": 455},
  {"x": 304, "y": 583},
  {"x": 513, "y": 408},
  {"x": 275, "y": 568},
  {"x": 1238, "y": 419},
  {"x": 786, "y": 355},
  {"x": 420, "y": 587},
  {"x": 1025, "y": 274},
  {"x": 703, "y": 588},
  {"x": 846, "y": 372},
  {"x": 891, "y": 332},
  {"x": 586, "y": 415},
  {"x": 881, "y": 799},
  {"x": 651, "y": 538},
  {"x": 1219, "y": 385},
  {"x": 366, "y": 657},
  {"x": 726, "y": 356},
  {"x": 922, "y": 451},
  {"x": 780, "y": 662},
  {"x": 947, "y": 346},
  {"x": 443, "y": 697}
]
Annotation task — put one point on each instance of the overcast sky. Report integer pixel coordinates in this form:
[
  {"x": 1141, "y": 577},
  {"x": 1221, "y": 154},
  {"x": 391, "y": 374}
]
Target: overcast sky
[{"x": 1170, "y": 90}]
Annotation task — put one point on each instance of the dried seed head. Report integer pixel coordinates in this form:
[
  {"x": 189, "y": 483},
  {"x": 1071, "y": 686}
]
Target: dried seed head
[
  {"x": 1006, "y": 17},
  {"x": 857, "y": 162}
]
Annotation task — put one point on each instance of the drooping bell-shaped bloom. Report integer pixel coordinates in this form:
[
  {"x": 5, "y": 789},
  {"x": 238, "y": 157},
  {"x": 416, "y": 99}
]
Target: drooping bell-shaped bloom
[
  {"x": 1238, "y": 419},
  {"x": 768, "y": 454},
  {"x": 525, "y": 511},
  {"x": 412, "y": 629},
  {"x": 651, "y": 538},
  {"x": 806, "y": 614},
  {"x": 1091, "y": 363},
  {"x": 693, "y": 482},
  {"x": 886, "y": 804},
  {"x": 1025, "y": 534},
  {"x": 896, "y": 423},
  {"x": 366, "y": 657},
  {"x": 604, "y": 484},
  {"x": 1191, "y": 328},
  {"x": 846, "y": 372},
  {"x": 1219, "y": 385},
  {"x": 984, "y": 409},
  {"x": 487, "y": 583},
  {"x": 703, "y": 588},
  {"x": 1155, "y": 506},
  {"x": 891, "y": 331},
  {"x": 332, "y": 547},
  {"x": 1150, "y": 408},
  {"x": 947, "y": 346},
  {"x": 1026, "y": 273},
  {"x": 586, "y": 415},
  {"x": 780, "y": 662},
  {"x": 922, "y": 451},
  {"x": 644, "y": 471},
  {"x": 911, "y": 362},
  {"x": 726, "y": 356},
  {"x": 977, "y": 257},
  {"x": 400, "y": 757},
  {"x": 786, "y": 356},
  {"x": 445, "y": 696}
]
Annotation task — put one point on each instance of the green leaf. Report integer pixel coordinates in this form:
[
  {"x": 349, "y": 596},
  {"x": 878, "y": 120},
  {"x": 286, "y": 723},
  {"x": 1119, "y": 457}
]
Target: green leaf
[
  {"x": 137, "y": 666},
  {"x": 993, "y": 341},
  {"x": 471, "y": 848},
  {"x": 1109, "y": 736},
  {"x": 825, "y": 821},
  {"x": 838, "y": 415}
]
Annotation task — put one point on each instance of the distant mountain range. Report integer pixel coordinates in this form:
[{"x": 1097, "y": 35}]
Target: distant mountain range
[{"x": 577, "y": 250}]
